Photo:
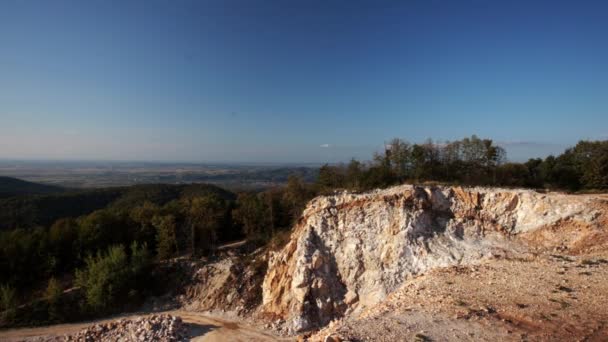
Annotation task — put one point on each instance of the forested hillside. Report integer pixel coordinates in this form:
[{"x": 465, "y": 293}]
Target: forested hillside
[
  {"x": 105, "y": 242},
  {"x": 10, "y": 187},
  {"x": 32, "y": 211}
]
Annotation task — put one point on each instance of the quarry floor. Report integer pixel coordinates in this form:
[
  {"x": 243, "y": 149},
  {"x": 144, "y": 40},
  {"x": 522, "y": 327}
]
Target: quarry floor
[
  {"x": 548, "y": 297},
  {"x": 201, "y": 327}
]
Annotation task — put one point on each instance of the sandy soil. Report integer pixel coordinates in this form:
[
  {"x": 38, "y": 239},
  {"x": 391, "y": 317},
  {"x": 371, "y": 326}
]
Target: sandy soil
[{"x": 201, "y": 328}]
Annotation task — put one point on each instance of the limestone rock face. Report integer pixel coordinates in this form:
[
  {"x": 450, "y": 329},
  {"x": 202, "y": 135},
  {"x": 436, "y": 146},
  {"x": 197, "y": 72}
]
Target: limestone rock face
[{"x": 349, "y": 251}]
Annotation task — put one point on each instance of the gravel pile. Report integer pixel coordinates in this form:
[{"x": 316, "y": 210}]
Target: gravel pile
[{"x": 150, "y": 328}]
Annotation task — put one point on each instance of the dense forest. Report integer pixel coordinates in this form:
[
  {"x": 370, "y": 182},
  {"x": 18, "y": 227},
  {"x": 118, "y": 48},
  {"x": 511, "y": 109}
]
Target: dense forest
[
  {"x": 75, "y": 254},
  {"x": 100, "y": 250}
]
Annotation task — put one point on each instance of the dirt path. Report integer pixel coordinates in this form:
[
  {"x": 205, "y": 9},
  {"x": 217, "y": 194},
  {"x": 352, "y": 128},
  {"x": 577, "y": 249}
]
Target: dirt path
[{"x": 201, "y": 328}]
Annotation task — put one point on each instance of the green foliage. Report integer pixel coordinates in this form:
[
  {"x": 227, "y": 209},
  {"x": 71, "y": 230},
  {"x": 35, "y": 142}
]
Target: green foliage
[
  {"x": 104, "y": 277},
  {"x": 354, "y": 174},
  {"x": 101, "y": 229},
  {"x": 8, "y": 297},
  {"x": 204, "y": 216},
  {"x": 63, "y": 237},
  {"x": 471, "y": 161},
  {"x": 591, "y": 160},
  {"x": 32, "y": 211},
  {"x": 144, "y": 229},
  {"x": 253, "y": 214},
  {"x": 263, "y": 215},
  {"x": 110, "y": 276},
  {"x": 166, "y": 236},
  {"x": 25, "y": 257},
  {"x": 330, "y": 178},
  {"x": 295, "y": 196},
  {"x": 53, "y": 291},
  {"x": 52, "y": 296},
  {"x": 513, "y": 175},
  {"x": 44, "y": 210}
]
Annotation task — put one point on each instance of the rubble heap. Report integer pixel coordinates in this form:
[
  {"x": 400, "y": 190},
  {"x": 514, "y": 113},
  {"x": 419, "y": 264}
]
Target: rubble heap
[{"x": 150, "y": 328}]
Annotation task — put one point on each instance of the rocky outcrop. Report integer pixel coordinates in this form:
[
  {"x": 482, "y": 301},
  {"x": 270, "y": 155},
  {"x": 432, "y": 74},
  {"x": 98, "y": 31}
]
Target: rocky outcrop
[{"x": 349, "y": 251}]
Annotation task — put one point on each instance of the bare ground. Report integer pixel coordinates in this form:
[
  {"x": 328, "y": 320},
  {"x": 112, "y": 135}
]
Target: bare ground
[
  {"x": 201, "y": 327},
  {"x": 550, "y": 297}
]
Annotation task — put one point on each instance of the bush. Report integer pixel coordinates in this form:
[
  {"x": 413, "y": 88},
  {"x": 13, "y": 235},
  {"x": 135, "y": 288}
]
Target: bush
[
  {"x": 111, "y": 277},
  {"x": 104, "y": 277},
  {"x": 52, "y": 296},
  {"x": 7, "y": 297},
  {"x": 8, "y": 300}
]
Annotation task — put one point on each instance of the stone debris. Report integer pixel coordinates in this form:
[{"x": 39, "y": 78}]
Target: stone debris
[{"x": 165, "y": 328}]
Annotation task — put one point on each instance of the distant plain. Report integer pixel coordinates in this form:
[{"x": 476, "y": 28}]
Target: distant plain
[{"x": 97, "y": 174}]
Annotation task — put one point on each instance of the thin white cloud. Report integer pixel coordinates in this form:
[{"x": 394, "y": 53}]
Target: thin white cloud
[{"x": 325, "y": 146}]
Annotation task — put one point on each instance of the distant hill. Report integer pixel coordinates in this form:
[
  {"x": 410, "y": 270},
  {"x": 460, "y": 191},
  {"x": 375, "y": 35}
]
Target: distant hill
[
  {"x": 10, "y": 187},
  {"x": 43, "y": 210}
]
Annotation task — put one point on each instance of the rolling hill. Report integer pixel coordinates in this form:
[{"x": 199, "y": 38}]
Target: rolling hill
[{"x": 10, "y": 187}]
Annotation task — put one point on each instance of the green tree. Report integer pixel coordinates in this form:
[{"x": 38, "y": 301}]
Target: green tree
[
  {"x": 205, "y": 217},
  {"x": 330, "y": 178},
  {"x": 8, "y": 297},
  {"x": 354, "y": 174},
  {"x": 104, "y": 277},
  {"x": 295, "y": 196},
  {"x": 567, "y": 171},
  {"x": 398, "y": 155},
  {"x": 590, "y": 158},
  {"x": 52, "y": 296},
  {"x": 166, "y": 236},
  {"x": 99, "y": 230},
  {"x": 111, "y": 277},
  {"x": 418, "y": 161},
  {"x": 252, "y": 213},
  {"x": 63, "y": 236},
  {"x": 143, "y": 216}
]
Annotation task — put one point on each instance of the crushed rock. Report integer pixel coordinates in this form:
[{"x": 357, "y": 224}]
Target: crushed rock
[{"x": 165, "y": 328}]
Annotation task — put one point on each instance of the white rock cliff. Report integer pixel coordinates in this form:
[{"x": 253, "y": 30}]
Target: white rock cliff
[{"x": 349, "y": 251}]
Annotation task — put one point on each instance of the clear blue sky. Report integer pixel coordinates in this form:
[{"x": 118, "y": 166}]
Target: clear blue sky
[{"x": 296, "y": 81}]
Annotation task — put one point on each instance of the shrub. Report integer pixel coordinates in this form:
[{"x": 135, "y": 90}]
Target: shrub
[
  {"x": 111, "y": 276},
  {"x": 8, "y": 300},
  {"x": 52, "y": 296}
]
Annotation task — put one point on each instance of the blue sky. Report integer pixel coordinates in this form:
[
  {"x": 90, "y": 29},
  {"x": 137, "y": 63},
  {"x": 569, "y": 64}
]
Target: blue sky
[{"x": 296, "y": 81}]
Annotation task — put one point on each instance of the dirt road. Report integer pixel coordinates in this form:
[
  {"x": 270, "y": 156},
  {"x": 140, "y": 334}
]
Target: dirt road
[{"x": 201, "y": 328}]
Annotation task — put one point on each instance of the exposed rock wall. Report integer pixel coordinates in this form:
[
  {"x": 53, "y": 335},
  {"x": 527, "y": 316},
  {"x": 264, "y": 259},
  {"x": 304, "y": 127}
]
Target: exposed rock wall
[{"x": 349, "y": 251}]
